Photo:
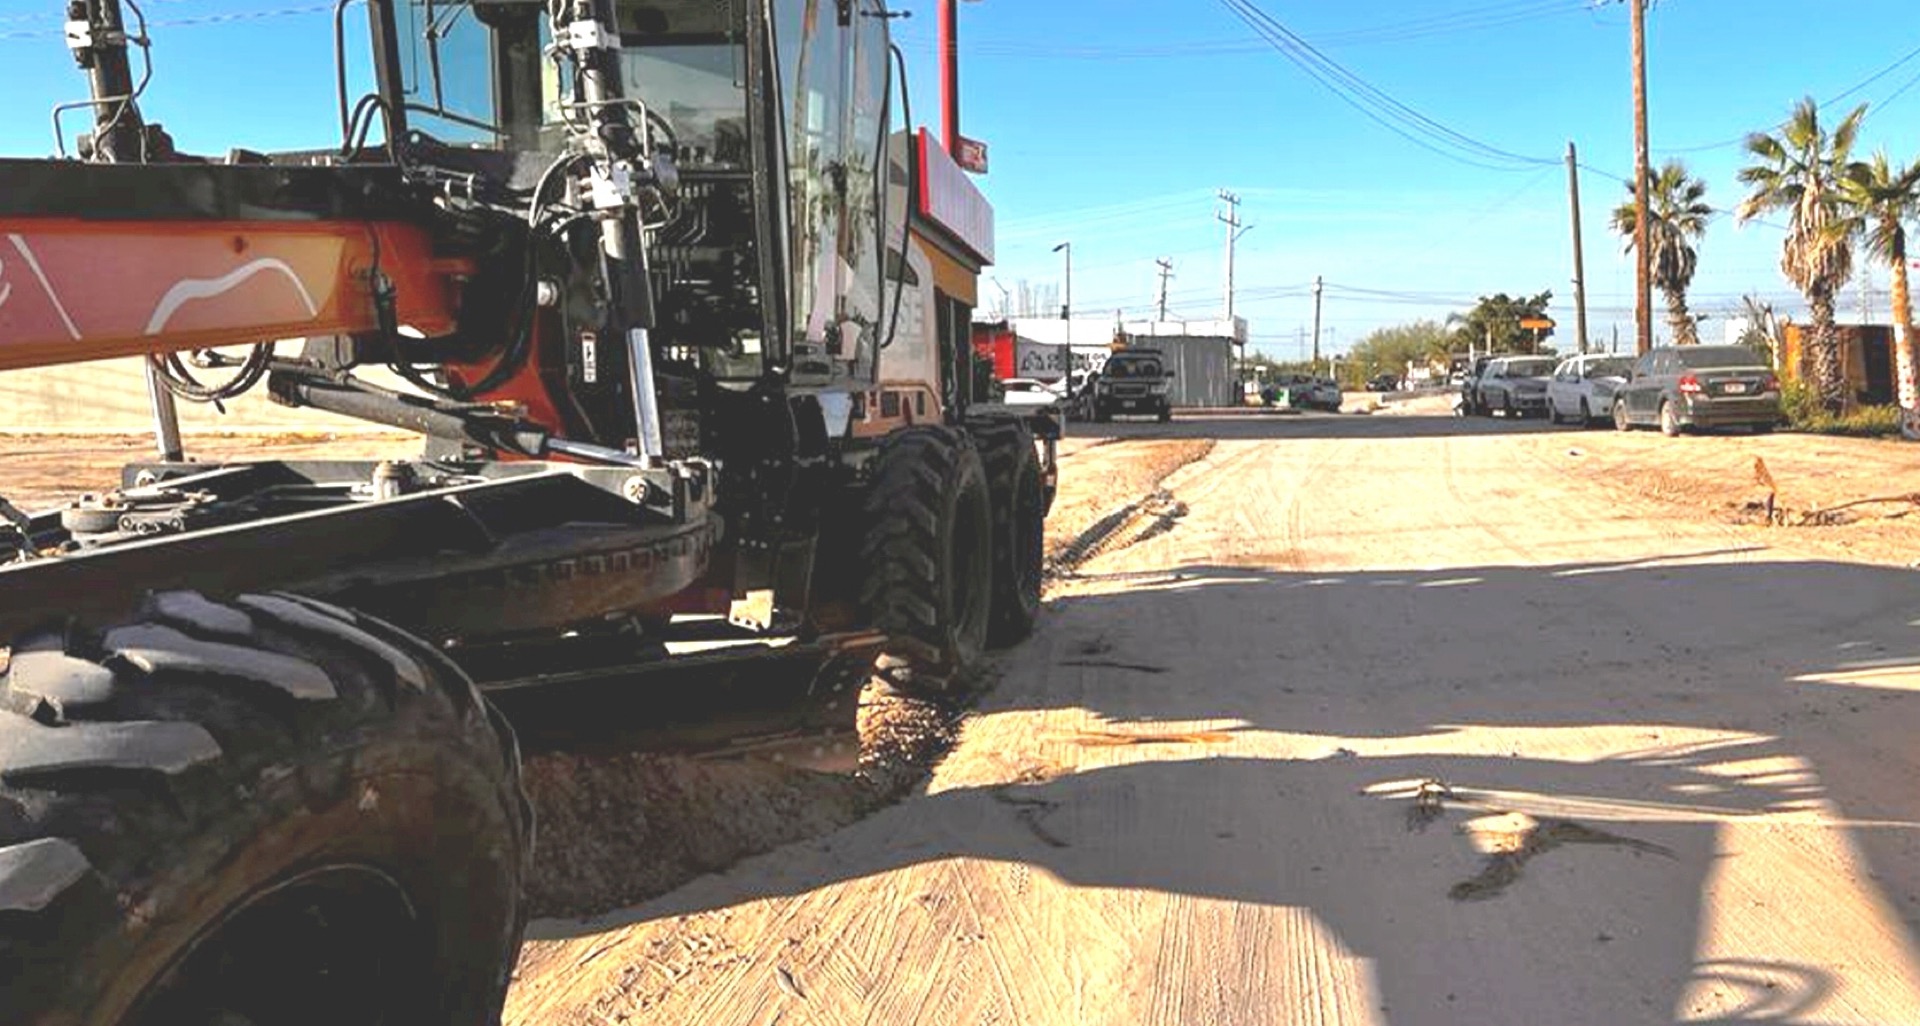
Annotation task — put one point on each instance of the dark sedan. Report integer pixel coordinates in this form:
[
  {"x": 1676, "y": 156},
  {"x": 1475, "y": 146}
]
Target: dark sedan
[{"x": 1678, "y": 388}]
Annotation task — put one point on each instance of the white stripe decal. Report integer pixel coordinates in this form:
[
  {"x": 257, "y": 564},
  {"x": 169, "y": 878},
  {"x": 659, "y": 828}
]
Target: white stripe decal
[
  {"x": 204, "y": 289},
  {"x": 201, "y": 288},
  {"x": 34, "y": 265}
]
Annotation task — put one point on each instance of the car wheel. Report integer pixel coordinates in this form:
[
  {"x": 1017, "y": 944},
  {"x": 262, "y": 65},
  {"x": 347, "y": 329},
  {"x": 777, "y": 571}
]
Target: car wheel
[
  {"x": 1620, "y": 420},
  {"x": 1669, "y": 420}
]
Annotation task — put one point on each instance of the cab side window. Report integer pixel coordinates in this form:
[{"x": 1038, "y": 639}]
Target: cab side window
[{"x": 448, "y": 62}]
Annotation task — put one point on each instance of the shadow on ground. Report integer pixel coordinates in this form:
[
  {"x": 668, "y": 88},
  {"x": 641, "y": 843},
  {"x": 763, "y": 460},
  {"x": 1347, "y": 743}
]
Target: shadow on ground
[
  {"x": 1309, "y": 425},
  {"x": 1369, "y": 675},
  {"x": 1327, "y": 425}
]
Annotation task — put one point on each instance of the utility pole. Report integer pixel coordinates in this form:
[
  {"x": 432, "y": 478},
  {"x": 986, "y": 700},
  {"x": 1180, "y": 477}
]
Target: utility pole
[
  {"x": 1006, "y": 298},
  {"x": 1231, "y": 218},
  {"x": 1317, "y": 284},
  {"x": 1642, "y": 260},
  {"x": 1166, "y": 271},
  {"x": 1579, "y": 258}
]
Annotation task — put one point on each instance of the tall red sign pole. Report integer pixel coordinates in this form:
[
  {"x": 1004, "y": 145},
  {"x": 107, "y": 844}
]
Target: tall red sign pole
[{"x": 950, "y": 75}]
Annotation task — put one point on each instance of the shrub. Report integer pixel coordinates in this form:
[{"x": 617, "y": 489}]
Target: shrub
[
  {"x": 1801, "y": 405},
  {"x": 1866, "y": 422}
]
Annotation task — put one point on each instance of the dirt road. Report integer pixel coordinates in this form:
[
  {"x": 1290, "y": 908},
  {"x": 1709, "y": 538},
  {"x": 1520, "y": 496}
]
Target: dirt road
[{"x": 1405, "y": 720}]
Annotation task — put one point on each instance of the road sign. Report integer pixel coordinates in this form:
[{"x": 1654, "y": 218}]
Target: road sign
[
  {"x": 1536, "y": 322},
  {"x": 972, "y": 156}
]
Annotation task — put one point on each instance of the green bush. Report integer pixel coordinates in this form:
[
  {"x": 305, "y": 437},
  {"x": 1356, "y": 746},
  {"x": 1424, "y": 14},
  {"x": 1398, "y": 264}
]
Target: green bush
[
  {"x": 1801, "y": 405},
  {"x": 1865, "y": 422}
]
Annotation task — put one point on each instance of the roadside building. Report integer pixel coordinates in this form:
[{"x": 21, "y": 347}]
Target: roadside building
[
  {"x": 1201, "y": 354},
  {"x": 1019, "y": 356},
  {"x": 1866, "y": 357}
]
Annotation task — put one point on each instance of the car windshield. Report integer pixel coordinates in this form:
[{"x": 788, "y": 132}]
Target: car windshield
[
  {"x": 1709, "y": 357},
  {"x": 1132, "y": 367},
  {"x": 1530, "y": 368},
  {"x": 1612, "y": 367}
]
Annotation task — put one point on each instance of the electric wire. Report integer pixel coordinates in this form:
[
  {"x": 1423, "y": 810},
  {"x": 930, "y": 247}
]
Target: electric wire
[
  {"x": 1451, "y": 23},
  {"x": 1851, "y": 90},
  {"x": 1376, "y": 104},
  {"x": 189, "y": 22}
]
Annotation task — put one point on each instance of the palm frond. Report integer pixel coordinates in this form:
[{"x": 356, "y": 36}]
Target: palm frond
[
  {"x": 1766, "y": 147},
  {"x": 1845, "y": 133}
]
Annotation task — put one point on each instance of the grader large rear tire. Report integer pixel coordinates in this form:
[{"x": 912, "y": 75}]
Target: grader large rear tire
[
  {"x": 1019, "y": 528},
  {"x": 928, "y": 556},
  {"x": 270, "y": 811}
]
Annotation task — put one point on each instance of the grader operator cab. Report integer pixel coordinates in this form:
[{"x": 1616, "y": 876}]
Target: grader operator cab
[{"x": 654, "y": 282}]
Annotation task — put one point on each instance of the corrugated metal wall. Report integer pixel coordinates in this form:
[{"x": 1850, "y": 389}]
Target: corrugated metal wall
[{"x": 1202, "y": 369}]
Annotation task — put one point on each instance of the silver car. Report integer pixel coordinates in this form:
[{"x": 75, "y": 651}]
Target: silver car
[
  {"x": 1582, "y": 388},
  {"x": 1514, "y": 385},
  {"x": 1325, "y": 394}
]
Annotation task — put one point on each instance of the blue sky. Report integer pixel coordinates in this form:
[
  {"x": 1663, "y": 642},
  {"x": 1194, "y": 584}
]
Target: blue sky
[
  {"x": 1121, "y": 140},
  {"x": 1113, "y": 122}
]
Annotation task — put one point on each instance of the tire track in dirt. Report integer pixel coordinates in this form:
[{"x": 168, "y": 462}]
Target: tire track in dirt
[
  {"x": 1219, "y": 526},
  {"x": 1470, "y": 506},
  {"x": 1097, "y": 537},
  {"x": 1501, "y": 640}
]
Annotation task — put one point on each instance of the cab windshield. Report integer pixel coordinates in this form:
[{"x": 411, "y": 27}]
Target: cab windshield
[
  {"x": 467, "y": 70},
  {"x": 701, "y": 90},
  {"x": 1134, "y": 367}
]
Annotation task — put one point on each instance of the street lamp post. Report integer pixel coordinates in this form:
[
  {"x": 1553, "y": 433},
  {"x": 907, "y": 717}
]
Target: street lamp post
[{"x": 1066, "y": 303}]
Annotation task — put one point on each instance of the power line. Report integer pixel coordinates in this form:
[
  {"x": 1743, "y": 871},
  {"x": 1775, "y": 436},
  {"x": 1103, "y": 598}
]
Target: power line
[
  {"x": 205, "y": 19},
  {"x": 1374, "y": 103},
  {"x": 1466, "y": 21},
  {"x": 1898, "y": 63},
  {"x": 1456, "y": 22}
]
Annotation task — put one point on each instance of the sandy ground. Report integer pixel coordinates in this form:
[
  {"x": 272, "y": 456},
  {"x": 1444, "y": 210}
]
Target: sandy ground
[
  {"x": 43, "y": 471},
  {"x": 1404, "y": 720},
  {"x": 1388, "y": 719}
]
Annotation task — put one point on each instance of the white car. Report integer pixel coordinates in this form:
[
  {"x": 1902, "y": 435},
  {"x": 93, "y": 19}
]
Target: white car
[
  {"x": 1325, "y": 395},
  {"x": 1581, "y": 389},
  {"x": 1028, "y": 392}
]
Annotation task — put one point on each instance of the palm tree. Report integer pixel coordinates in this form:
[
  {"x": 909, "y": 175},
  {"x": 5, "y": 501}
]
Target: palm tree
[
  {"x": 1885, "y": 197},
  {"x": 1677, "y": 221},
  {"x": 1763, "y": 328},
  {"x": 1801, "y": 171}
]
